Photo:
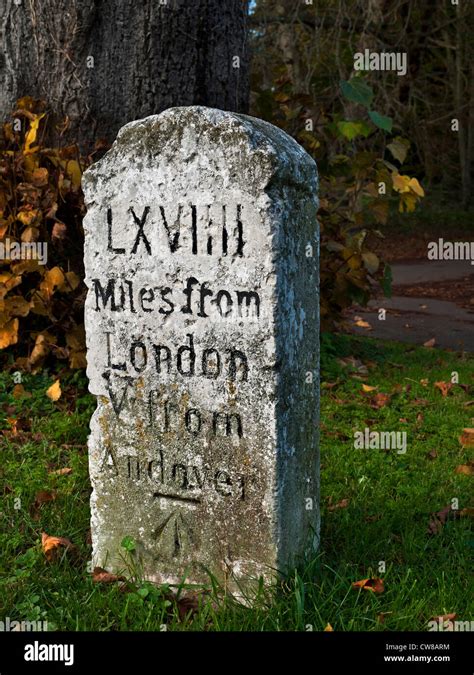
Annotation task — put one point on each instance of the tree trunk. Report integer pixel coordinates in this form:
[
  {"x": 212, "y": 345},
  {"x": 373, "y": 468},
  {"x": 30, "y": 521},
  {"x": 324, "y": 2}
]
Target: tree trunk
[{"x": 103, "y": 64}]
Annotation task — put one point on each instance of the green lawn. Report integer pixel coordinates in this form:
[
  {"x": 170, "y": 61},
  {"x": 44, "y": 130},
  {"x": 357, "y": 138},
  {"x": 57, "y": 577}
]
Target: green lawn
[{"x": 376, "y": 506}]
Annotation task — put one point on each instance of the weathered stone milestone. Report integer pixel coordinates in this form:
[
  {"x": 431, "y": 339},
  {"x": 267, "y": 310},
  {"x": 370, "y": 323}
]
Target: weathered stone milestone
[{"x": 202, "y": 320}]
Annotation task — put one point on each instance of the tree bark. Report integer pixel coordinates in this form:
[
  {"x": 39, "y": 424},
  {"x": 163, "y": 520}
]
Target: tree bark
[{"x": 103, "y": 64}]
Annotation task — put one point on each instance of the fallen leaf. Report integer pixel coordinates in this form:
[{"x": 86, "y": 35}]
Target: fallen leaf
[
  {"x": 382, "y": 615},
  {"x": 42, "y": 497},
  {"x": 101, "y": 576},
  {"x": 467, "y": 512},
  {"x": 439, "y": 519},
  {"x": 9, "y": 334},
  {"x": 421, "y": 401},
  {"x": 432, "y": 454},
  {"x": 51, "y": 280},
  {"x": 53, "y": 546},
  {"x": 59, "y": 231},
  {"x": 444, "y": 387},
  {"x": 19, "y": 391},
  {"x": 187, "y": 606},
  {"x": 328, "y": 629},
  {"x": 380, "y": 400},
  {"x": 430, "y": 343},
  {"x": 13, "y": 424},
  {"x": 465, "y": 469},
  {"x": 367, "y": 388},
  {"x": 60, "y": 472},
  {"x": 340, "y": 505},
  {"x": 375, "y": 585},
  {"x": 363, "y": 324},
  {"x": 467, "y": 437},
  {"x": 329, "y": 385},
  {"x": 54, "y": 392},
  {"x": 41, "y": 349}
]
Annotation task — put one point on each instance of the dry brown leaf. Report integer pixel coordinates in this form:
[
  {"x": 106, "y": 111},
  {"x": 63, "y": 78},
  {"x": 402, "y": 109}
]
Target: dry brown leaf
[
  {"x": 101, "y": 576},
  {"x": 9, "y": 334},
  {"x": 13, "y": 424},
  {"x": 53, "y": 547},
  {"x": 54, "y": 392},
  {"x": 30, "y": 234},
  {"x": 19, "y": 391},
  {"x": 432, "y": 454},
  {"x": 438, "y": 519},
  {"x": 430, "y": 343},
  {"x": 421, "y": 401},
  {"x": 188, "y": 606},
  {"x": 52, "y": 280},
  {"x": 374, "y": 584},
  {"x": 363, "y": 324},
  {"x": 444, "y": 387},
  {"x": 465, "y": 469},
  {"x": 42, "y": 497},
  {"x": 41, "y": 349},
  {"x": 380, "y": 400},
  {"x": 329, "y": 385},
  {"x": 61, "y": 472},
  {"x": 467, "y": 437},
  {"x": 344, "y": 503},
  {"x": 59, "y": 230}
]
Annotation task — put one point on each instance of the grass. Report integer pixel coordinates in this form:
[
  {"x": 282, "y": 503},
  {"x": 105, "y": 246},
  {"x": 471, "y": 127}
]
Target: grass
[{"x": 376, "y": 506}]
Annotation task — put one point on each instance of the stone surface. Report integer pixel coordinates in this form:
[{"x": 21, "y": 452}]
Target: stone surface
[{"x": 202, "y": 333}]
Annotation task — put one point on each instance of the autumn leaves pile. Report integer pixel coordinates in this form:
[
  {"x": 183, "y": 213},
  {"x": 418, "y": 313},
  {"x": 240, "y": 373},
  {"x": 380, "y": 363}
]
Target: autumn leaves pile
[{"x": 40, "y": 202}]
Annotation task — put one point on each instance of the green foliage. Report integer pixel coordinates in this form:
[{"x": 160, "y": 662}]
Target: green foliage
[
  {"x": 358, "y": 187},
  {"x": 358, "y": 91},
  {"x": 381, "y": 121}
]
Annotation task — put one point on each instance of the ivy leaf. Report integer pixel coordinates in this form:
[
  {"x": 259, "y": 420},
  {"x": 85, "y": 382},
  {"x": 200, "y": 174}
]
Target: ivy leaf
[
  {"x": 371, "y": 262},
  {"x": 357, "y": 91},
  {"x": 351, "y": 130},
  {"x": 399, "y": 148},
  {"x": 381, "y": 121}
]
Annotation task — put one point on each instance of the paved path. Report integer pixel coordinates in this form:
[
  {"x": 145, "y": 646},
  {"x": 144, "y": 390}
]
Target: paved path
[
  {"x": 418, "y": 320},
  {"x": 430, "y": 270}
]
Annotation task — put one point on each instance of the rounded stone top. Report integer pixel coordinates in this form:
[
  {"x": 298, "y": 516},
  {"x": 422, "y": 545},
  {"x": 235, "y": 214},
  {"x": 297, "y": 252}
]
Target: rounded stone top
[{"x": 254, "y": 152}]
